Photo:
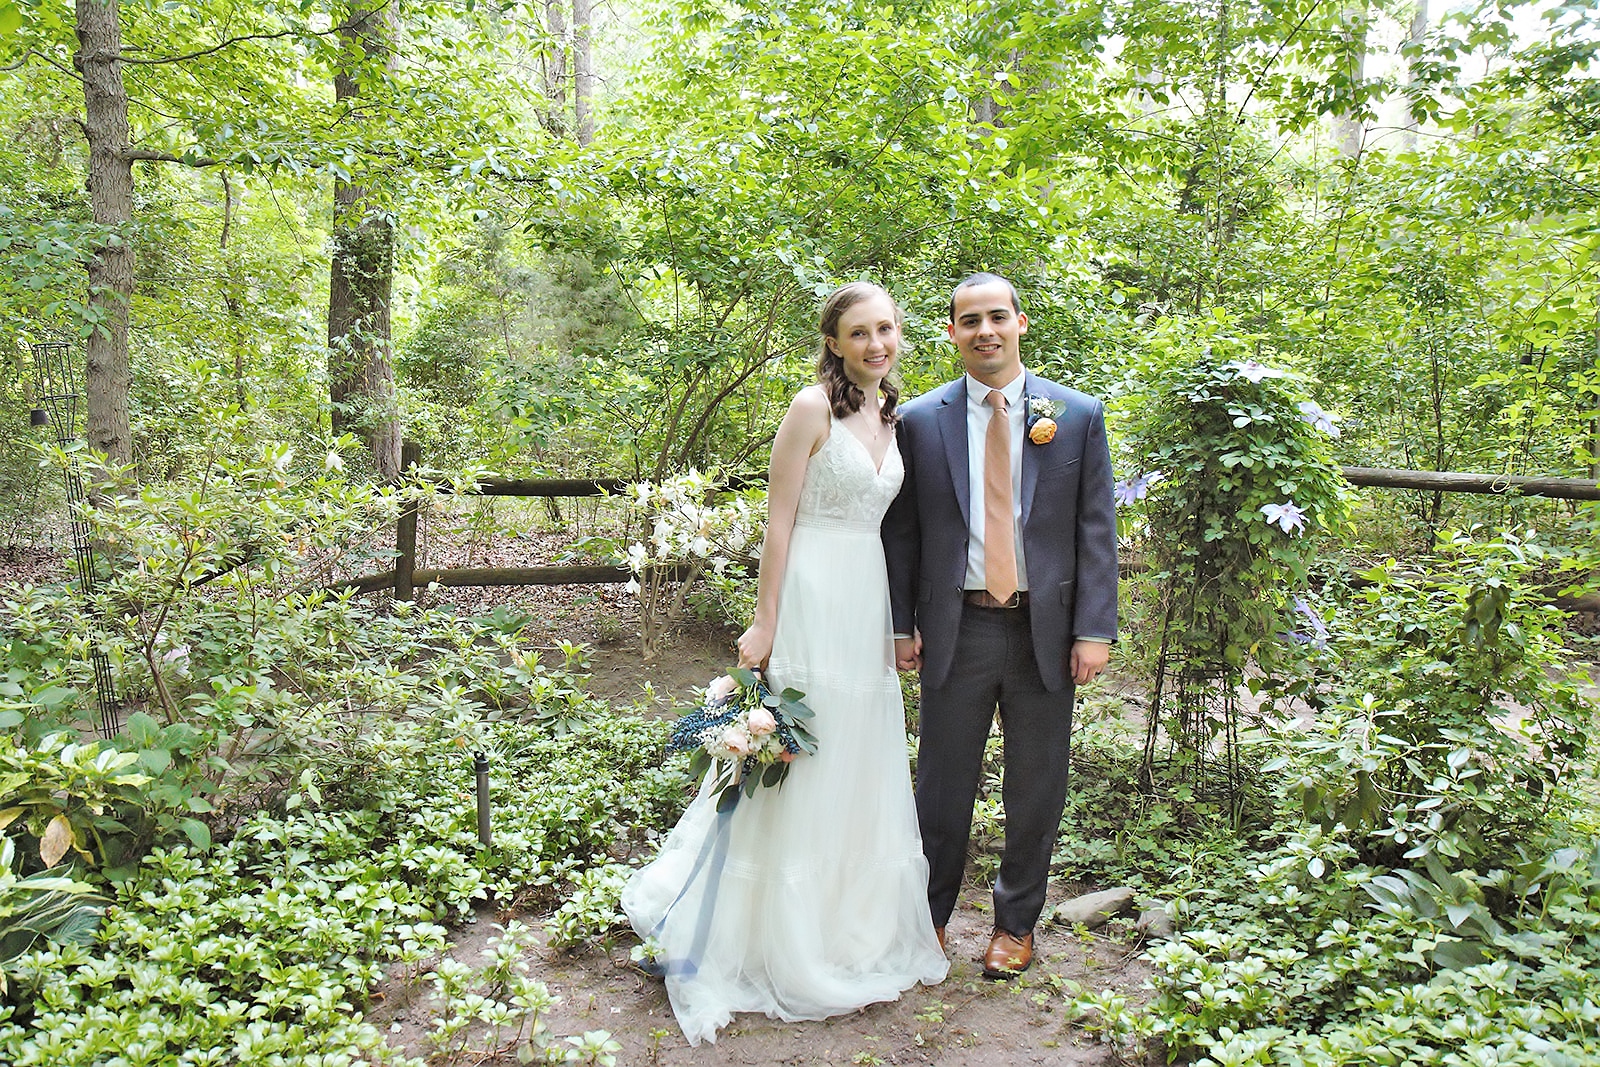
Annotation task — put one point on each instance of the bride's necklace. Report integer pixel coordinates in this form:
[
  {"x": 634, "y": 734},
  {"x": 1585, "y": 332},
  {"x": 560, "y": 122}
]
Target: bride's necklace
[{"x": 872, "y": 423}]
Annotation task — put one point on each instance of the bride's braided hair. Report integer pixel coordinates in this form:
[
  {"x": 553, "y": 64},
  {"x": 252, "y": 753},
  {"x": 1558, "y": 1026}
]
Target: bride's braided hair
[{"x": 844, "y": 396}]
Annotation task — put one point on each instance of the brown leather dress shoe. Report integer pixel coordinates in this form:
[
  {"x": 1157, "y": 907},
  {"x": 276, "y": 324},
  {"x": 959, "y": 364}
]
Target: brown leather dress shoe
[
  {"x": 1008, "y": 955},
  {"x": 938, "y": 931}
]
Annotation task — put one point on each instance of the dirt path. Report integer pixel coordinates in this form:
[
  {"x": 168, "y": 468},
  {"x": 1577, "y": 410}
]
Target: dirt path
[{"x": 966, "y": 1021}]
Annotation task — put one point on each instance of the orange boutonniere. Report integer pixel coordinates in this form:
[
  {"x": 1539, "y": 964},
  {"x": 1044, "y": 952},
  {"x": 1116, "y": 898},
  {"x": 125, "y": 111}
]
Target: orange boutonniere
[{"x": 1042, "y": 412}]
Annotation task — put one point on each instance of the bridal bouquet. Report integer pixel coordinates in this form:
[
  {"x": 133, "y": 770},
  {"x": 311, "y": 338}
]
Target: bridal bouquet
[{"x": 750, "y": 733}]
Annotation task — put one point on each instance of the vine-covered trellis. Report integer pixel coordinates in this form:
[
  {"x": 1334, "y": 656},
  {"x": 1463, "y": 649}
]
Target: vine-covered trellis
[{"x": 1237, "y": 478}]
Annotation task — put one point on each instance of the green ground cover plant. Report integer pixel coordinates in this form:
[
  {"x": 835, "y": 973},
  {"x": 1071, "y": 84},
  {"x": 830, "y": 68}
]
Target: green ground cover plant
[
  {"x": 267, "y": 946},
  {"x": 1426, "y": 889}
]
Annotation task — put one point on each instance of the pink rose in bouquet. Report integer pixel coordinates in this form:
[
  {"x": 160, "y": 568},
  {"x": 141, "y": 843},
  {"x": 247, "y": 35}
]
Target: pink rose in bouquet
[
  {"x": 761, "y": 723},
  {"x": 737, "y": 742},
  {"x": 721, "y": 688}
]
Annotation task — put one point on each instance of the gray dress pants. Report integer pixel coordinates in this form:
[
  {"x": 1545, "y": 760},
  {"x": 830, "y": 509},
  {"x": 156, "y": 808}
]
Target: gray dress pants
[{"x": 994, "y": 667}]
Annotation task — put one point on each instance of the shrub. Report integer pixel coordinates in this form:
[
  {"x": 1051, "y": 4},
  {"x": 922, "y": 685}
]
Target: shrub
[
  {"x": 1448, "y": 717},
  {"x": 695, "y": 547},
  {"x": 1430, "y": 890}
]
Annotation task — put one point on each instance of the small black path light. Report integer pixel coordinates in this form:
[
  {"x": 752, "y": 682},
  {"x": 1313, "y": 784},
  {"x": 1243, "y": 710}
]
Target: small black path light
[
  {"x": 56, "y": 396},
  {"x": 480, "y": 766}
]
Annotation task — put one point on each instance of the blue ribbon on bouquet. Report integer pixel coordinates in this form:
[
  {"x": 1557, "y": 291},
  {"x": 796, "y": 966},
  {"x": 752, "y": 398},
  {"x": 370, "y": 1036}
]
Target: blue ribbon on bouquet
[{"x": 714, "y": 851}]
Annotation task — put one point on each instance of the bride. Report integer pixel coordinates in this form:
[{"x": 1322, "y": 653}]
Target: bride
[{"x": 810, "y": 899}]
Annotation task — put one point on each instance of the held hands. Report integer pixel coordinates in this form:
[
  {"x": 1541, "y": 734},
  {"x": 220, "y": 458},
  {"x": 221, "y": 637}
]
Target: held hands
[
  {"x": 908, "y": 652},
  {"x": 1088, "y": 660},
  {"x": 755, "y": 645}
]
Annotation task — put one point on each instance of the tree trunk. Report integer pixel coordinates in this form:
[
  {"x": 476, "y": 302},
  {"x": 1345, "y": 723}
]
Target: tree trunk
[
  {"x": 582, "y": 73},
  {"x": 230, "y": 286},
  {"x": 1349, "y": 129},
  {"x": 1414, "y": 39},
  {"x": 360, "y": 375},
  {"x": 555, "y": 68},
  {"x": 1594, "y": 420},
  {"x": 107, "y": 371}
]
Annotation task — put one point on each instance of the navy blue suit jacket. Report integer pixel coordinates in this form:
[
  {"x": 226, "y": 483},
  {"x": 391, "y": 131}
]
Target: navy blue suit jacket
[{"x": 1069, "y": 529}]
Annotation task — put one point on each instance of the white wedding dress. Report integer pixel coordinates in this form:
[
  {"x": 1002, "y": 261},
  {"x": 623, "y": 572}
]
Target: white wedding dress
[{"x": 808, "y": 900}]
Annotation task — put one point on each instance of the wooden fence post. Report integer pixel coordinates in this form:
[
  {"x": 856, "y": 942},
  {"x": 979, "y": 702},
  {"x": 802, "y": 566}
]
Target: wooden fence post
[{"x": 405, "y": 531}]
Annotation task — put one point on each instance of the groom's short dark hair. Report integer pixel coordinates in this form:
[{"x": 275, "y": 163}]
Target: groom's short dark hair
[{"x": 983, "y": 277}]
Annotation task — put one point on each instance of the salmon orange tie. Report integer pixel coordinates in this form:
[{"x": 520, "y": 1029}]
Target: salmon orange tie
[{"x": 999, "y": 537}]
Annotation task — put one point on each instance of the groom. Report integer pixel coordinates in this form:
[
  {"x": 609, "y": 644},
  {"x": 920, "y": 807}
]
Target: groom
[{"x": 1002, "y": 555}]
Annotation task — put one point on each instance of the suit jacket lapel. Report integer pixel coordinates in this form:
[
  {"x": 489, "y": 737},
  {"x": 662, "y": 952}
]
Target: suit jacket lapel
[
  {"x": 1030, "y": 461},
  {"x": 952, "y": 419}
]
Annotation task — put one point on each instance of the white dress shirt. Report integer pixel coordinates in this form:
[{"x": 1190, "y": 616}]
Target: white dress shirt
[{"x": 978, "y": 415}]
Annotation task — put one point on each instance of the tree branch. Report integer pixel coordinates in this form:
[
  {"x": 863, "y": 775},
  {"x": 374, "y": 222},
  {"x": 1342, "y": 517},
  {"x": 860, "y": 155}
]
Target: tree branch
[
  {"x": 229, "y": 43},
  {"x": 1273, "y": 61},
  {"x": 136, "y": 155},
  {"x": 34, "y": 53}
]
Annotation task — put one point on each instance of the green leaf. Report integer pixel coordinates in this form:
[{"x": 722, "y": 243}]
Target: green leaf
[
  {"x": 1454, "y": 954},
  {"x": 198, "y": 833},
  {"x": 54, "y": 697},
  {"x": 143, "y": 730},
  {"x": 80, "y": 925}
]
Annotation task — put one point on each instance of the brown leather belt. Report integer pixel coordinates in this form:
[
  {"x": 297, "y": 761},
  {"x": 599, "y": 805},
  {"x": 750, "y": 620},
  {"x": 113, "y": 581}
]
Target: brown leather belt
[{"x": 982, "y": 598}]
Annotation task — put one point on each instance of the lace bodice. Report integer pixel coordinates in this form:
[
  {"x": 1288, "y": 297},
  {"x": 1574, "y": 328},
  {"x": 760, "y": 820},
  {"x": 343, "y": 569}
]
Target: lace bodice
[{"x": 841, "y": 487}]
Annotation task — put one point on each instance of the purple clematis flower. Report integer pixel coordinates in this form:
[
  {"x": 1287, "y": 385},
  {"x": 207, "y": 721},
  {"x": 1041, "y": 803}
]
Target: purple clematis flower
[
  {"x": 1314, "y": 632},
  {"x": 1251, "y": 370},
  {"x": 1312, "y": 412},
  {"x": 1130, "y": 491},
  {"x": 1287, "y": 515},
  {"x": 1317, "y": 630}
]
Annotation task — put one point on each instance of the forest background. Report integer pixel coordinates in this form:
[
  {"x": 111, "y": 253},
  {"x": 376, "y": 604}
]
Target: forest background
[{"x": 557, "y": 239}]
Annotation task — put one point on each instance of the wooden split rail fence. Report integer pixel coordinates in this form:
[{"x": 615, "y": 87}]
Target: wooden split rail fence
[{"x": 406, "y": 575}]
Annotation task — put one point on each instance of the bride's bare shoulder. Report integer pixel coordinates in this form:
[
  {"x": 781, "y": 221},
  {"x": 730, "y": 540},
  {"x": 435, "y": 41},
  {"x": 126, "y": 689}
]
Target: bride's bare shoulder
[
  {"x": 807, "y": 420},
  {"x": 811, "y": 403}
]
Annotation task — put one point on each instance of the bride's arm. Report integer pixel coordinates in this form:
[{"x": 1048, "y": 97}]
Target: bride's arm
[{"x": 802, "y": 432}]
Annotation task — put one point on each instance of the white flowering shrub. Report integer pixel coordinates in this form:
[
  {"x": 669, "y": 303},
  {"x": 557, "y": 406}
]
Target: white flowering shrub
[{"x": 695, "y": 544}]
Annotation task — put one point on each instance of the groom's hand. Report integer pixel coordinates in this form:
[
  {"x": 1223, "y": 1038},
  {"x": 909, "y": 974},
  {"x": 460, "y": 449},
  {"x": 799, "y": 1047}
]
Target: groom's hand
[
  {"x": 1089, "y": 659},
  {"x": 908, "y": 652}
]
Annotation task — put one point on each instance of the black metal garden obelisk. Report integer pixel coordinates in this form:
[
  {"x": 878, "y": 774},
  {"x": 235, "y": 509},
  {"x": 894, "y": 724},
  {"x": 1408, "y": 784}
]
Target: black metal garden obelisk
[{"x": 56, "y": 400}]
